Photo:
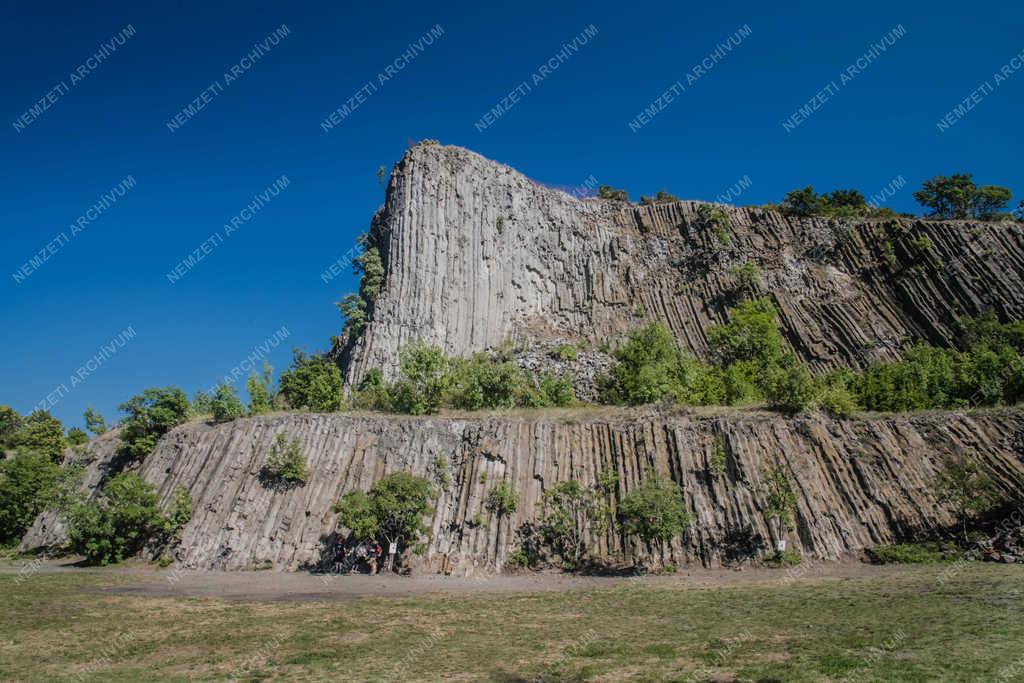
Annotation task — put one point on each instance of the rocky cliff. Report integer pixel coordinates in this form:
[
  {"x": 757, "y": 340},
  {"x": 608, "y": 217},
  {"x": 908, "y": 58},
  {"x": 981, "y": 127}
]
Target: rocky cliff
[
  {"x": 476, "y": 255},
  {"x": 859, "y": 482}
]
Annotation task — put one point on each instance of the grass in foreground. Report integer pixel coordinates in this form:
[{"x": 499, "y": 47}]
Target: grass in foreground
[{"x": 953, "y": 622}]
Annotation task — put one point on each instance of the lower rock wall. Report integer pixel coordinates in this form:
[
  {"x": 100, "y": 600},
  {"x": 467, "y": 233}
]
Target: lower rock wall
[{"x": 859, "y": 482}]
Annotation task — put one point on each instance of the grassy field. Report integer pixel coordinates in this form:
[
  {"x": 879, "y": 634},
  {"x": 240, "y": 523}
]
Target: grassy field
[{"x": 926, "y": 623}]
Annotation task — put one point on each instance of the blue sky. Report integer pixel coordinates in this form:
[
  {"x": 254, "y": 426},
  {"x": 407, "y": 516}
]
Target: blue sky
[{"x": 111, "y": 123}]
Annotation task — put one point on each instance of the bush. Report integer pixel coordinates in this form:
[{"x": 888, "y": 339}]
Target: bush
[
  {"x": 42, "y": 433},
  {"x": 957, "y": 196},
  {"x": 790, "y": 387},
  {"x": 226, "y": 405},
  {"x": 28, "y": 482},
  {"x": 906, "y": 553},
  {"x": 260, "y": 388},
  {"x": 10, "y": 422},
  {"x": 655, "y": 511},
  {"x": 565, "y": 352},
  {"x": 662, "y": 197},
  {"x": 479, "y": 382},
  {"x": 118, "y": 523},
  {"x": 202, "y": 403},
  {"x": 502, "y": 500},
  {"x": 286, "y": 464},
  {"x": 150, "y": 415},
  {"x": 752, "y": 334},
  {"x": 313, "y": 383},
  {"x": 748, "y": 276},
  {"x": 649, "y": 368},
  {"x": 786, "y": 558},
  {"x": 719, "y": 461},
  {"x": 424, "y": 379},
  {"x": 802, "y": 202},
  {"x": 781, "y": 503},
  {"x": 77, "y": 437},
  {"x": 609, "y": 192},
  {"x": 963, "y": 484},
  {"x": 837, "y": 400},
  {"x": 716, "y": 219},
  {"x": 517, "y": 558}
]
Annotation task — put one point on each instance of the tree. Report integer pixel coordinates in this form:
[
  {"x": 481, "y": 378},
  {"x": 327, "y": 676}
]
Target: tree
[
  {"x": 150, "y": 415},
  {"x": 77, "y": 437},
  {"x": 27, "y": 485},
  {"x": 259, "y": 386},
  {"x": 502, "y": 500},
  {"x": 752, "y": 334},
  {"x": 118, "y": 523},
  {"x": 226, "y": 405},
  {"x": 802, "y": 202},
  {"x": 393, "y": 511},
  {"x": 655, "y": 511},
  {"x": 94, "y": 422},
  {"x": 41, "y": 432},
  {"x": 570, "y": 514},
  {"x": 424, "y": 379},
  {"x": 989, "y": 201},
  {"x": 781, "y": 499},
  {"x": 286, "y": 464},
  {"x": 790, "y": 386},
  {"x": 662, "y": 197},
  {"x": 649, "y": 368},
  {"x": 10, "y": 422},
  {"x": 202, "y": 403},
  {"x": 962, "y": 483},
  {"x": 382, "y": 173},
  {"x": 312, "y": 382}
]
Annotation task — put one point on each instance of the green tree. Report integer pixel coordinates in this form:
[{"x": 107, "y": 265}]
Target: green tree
[
  {"x": 781, "y": 503},
  {"x": 27, "y": 486},
  {"x": 10, "y": 423},
  {"x": 569, "y": 515},
  {"x": 226, "y": 405},
  {"x": 424, "y": 379},
  {"x": 990, "y": 201},
  {"x": 118, "y": 523},
  {"x": 654, "y": 511},
  {"x": 649, "y": 368},
  {"x": 77, "y": 437},
  {"x": 393, "y": 511},
  {"x": 948, "y": 196},
  {"x": 790, "y": 386},
  {"x": 802, "y": 202},
  {"x": 94, "y": 421},
  {"x": 202, "y": 403},
  {"x": 382, "y": 173},
  {"x": 150, "y": 415},
  {"x": 752, "y": 334},
  {"x": 662, "y": 197},
  {"x": 962, "y": 483},
  {"x": 41, "y": 432},
  {"x": 312, "y": 382},
  {"x": 260, "y": 388}
]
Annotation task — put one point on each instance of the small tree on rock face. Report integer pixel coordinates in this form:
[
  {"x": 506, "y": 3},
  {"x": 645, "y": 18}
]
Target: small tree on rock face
[
  {"x": 286, "y": 465},
  {"x": 963, "y": 484},
  {"x": 259, "y": 386},
  {"x": 393, "y": 511},
  {"x": 94, "y": 422},
  {"x": 655, "y": 511},
  {"x": 782, "y": 499},
  {"x": 152, "y": 414},
  {"x": 502, "y": 500},
  {"x": 570, "y": 513},
  {"x": 226, "y": 405}
]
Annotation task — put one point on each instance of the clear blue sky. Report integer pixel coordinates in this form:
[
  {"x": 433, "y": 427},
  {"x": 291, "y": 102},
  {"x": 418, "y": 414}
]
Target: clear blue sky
[{"x": 574, "y": 124}]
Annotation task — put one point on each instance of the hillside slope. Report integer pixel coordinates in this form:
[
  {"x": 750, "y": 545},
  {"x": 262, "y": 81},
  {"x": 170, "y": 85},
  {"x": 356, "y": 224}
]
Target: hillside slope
[{"x": 477, "y": 255}]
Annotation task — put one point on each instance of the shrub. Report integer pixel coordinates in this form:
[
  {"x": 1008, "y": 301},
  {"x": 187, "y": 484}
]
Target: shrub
[
  {"x": 802, "y": 202},
  {"x": 517, "y": 558},
  {"x": 836, "y": 397},
  {"x": 662, "y": 197},
  {"x": 42, "y": 433},
  {"x": 392, "y": 511},
  {"x": 716, "y": 219},
  {"x": 718, "y": 461},
  {"x": 28, "y": 483},
  {"x": 781, "y": 499},
  {"x": 748, "y": 276},
  {"x": 260, "y": 388},
  {"x": 570, "y": 514},
  {"x": 479, "y": 382},
  {"x": 424, "y": 379},
  {"x": 654, "y": 511},
  {"x": 565, "y": 352},
  {"x": 549, "y": 390},
  {"x": 226, "y": 405},
  {"x": 286, "y": 464},
  {"x": 502, "y": 500},
  {"x": 118, "y": 523},
  {"x": 790, "y": 387},
  {"x": 906, "y": 553},
  {"x": 785, "y": 558},
  {"x": 312, "y": 382},
  {"x": 752, "y": 334},
  {"x": 649, "y": 368},
  {"x": 202, "y": 403},
  {"x": 94, "y": 421},
  {"x": 10, "y": 422},
  {"x": 609, "y": 192},
  {"x": 150, "y": 415}
]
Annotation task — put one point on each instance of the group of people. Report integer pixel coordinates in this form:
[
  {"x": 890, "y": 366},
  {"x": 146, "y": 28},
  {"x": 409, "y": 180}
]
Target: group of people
[{"x": 347, "y": 559}]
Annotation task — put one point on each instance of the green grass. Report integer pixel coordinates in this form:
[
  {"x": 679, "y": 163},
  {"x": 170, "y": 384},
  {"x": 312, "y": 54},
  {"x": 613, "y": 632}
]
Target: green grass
[
  {"x": 906, "y": 553},
  {"x": 919, "y": 623}
]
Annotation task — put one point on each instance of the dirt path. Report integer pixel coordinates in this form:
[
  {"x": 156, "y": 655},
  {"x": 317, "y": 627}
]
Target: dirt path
[{"x": 146, "y": 581}]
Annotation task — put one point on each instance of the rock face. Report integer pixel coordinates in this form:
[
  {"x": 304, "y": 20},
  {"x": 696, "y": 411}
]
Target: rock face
[
  {"x": 859, "y": 482},
  {"x": 476, "y": 255}
]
